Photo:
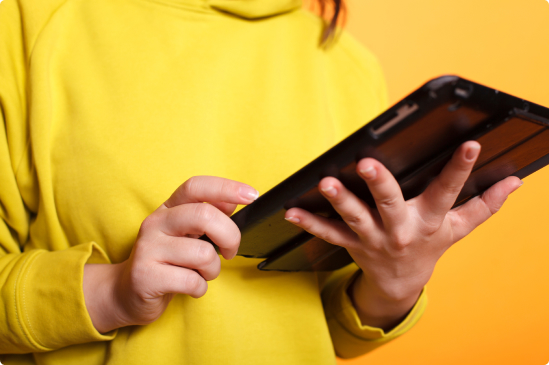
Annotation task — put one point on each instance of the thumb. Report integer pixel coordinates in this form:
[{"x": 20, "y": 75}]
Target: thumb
[{"x": 476, "y": 211}]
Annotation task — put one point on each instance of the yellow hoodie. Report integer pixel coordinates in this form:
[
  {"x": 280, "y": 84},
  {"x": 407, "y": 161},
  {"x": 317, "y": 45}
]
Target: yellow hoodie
[{"x": 107, "y": 106}]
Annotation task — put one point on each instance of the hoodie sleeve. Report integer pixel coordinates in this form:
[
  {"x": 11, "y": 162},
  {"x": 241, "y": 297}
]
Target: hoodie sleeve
[
  {"x": 350, "y": 337},
  {"x": 42, "y": 306}
]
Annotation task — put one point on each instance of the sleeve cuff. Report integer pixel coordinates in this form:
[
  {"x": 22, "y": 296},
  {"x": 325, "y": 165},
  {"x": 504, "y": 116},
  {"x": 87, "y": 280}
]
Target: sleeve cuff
[
  {"x": 50, "y": 299},
  {"x": 351, "y": 338}
]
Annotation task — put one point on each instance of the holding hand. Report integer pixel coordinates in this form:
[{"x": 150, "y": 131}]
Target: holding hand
[
  {"x": 398, "y": 244},
  {"x": 168, "y": 257}
]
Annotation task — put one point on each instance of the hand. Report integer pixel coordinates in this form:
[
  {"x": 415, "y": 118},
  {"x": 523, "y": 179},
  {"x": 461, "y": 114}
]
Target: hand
[
  {"x": 167, "y": 258},
  {"x": 398, "y": 245}
]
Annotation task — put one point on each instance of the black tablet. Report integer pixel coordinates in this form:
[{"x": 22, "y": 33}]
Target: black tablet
[{"x": 414, "y": 139}]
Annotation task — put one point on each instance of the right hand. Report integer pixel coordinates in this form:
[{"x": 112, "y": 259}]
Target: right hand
[{"x": 167, "y": 258}]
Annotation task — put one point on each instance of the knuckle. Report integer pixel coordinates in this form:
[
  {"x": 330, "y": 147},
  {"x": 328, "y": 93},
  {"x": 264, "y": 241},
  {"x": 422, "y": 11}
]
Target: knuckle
[
  {"x": 492, "y": 209},
  {"x": 401, "y": 239},
  {"x": 189, "y": 187},
  {"x": 316, "y": 229},
  {"x": 140, "y": 248},
  {"x": 204, "y": 213},
  {"x": 234, "y": 240},
  {"x": 493, "y": 201},
  {"x": 387, "y": 202},
  {"x": 213, "y": 272},
  {"x": 430, "y": 228},
  {"x": 337, "y": 234},
  {"x": 227, "y": 188},
  {"x": 465, "y": 167},
  {"x": 355, "y": 219},
  {"x": 139, "y": 273},
  {"x": 451, "y": 189},
  {"x": 149, "y": 224},
  {"x": 194, "y": 284},
  {"x": 427, "y": 225},
  {"x": 205, "y": 254},
  {"x": 327, "y": 236}
]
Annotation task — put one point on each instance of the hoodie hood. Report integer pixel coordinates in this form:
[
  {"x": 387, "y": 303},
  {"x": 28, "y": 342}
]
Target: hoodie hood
[{"x": 253, "y": 9}]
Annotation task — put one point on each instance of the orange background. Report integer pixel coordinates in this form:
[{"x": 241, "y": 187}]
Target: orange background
[{"x": 489, "y": 295}]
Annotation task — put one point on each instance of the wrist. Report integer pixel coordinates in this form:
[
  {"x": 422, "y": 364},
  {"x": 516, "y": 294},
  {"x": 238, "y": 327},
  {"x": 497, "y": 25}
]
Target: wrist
[
  {"x": 380, "y": 307},
  {"x": 99, "y": 287}
]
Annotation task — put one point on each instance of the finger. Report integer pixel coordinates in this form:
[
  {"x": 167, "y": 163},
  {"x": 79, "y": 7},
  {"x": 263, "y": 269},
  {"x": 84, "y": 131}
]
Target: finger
[
  {"x": 330, "y": 230},
  {"x": 226, "y": 208},
  {"x": 386, "y": 192},
  {"x": 167, "y": 279},
  {"x": 197, "y": 219},
  {"x": 442, "y": 192},
  {"x": 212, "y": 189},
  {"x": 352, "y": 210},
  {"x": 470, "y": 215},
  {"x": 188, "y": 253}
]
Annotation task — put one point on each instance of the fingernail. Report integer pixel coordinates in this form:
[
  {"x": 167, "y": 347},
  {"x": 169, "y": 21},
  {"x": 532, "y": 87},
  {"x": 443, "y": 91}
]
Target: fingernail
[
  {"x": 472, "y": 152},
  {"x": 369, "y": 172},
  {"x": 293, "y": 219},
  {"x": 248, "y": 193},
  {"x": 330, "y": 191}
]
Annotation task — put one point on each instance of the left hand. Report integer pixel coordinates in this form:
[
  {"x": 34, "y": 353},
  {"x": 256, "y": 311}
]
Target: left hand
[{"x": 398, "y": 244}]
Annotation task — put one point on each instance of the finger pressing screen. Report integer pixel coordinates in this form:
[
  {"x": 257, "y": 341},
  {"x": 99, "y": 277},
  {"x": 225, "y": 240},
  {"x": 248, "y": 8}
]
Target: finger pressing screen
[
  {"x": 441, "y": 194},
  {"x": 212, "y": 189}
]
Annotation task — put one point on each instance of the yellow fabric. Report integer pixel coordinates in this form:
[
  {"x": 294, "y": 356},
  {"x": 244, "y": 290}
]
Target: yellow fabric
[
  {"x": 252, "y": 9},
  {"x": 352, "y": 338},
  {"x": 107, "y": 106}
]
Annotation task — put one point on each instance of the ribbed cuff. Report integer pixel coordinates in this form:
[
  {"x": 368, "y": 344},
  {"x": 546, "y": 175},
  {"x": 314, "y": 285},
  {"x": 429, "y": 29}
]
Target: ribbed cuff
[
  {"x": 50, "y": 304},
  {"x": 351, "y": 338}
]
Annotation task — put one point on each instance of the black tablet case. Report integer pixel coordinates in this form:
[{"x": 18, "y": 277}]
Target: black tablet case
[{"x": 414, "y": 139}]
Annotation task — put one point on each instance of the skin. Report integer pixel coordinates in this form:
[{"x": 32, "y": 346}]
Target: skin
[
  {"x": 167, "y": 257},
  {"x": 396, "y": 246}
]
